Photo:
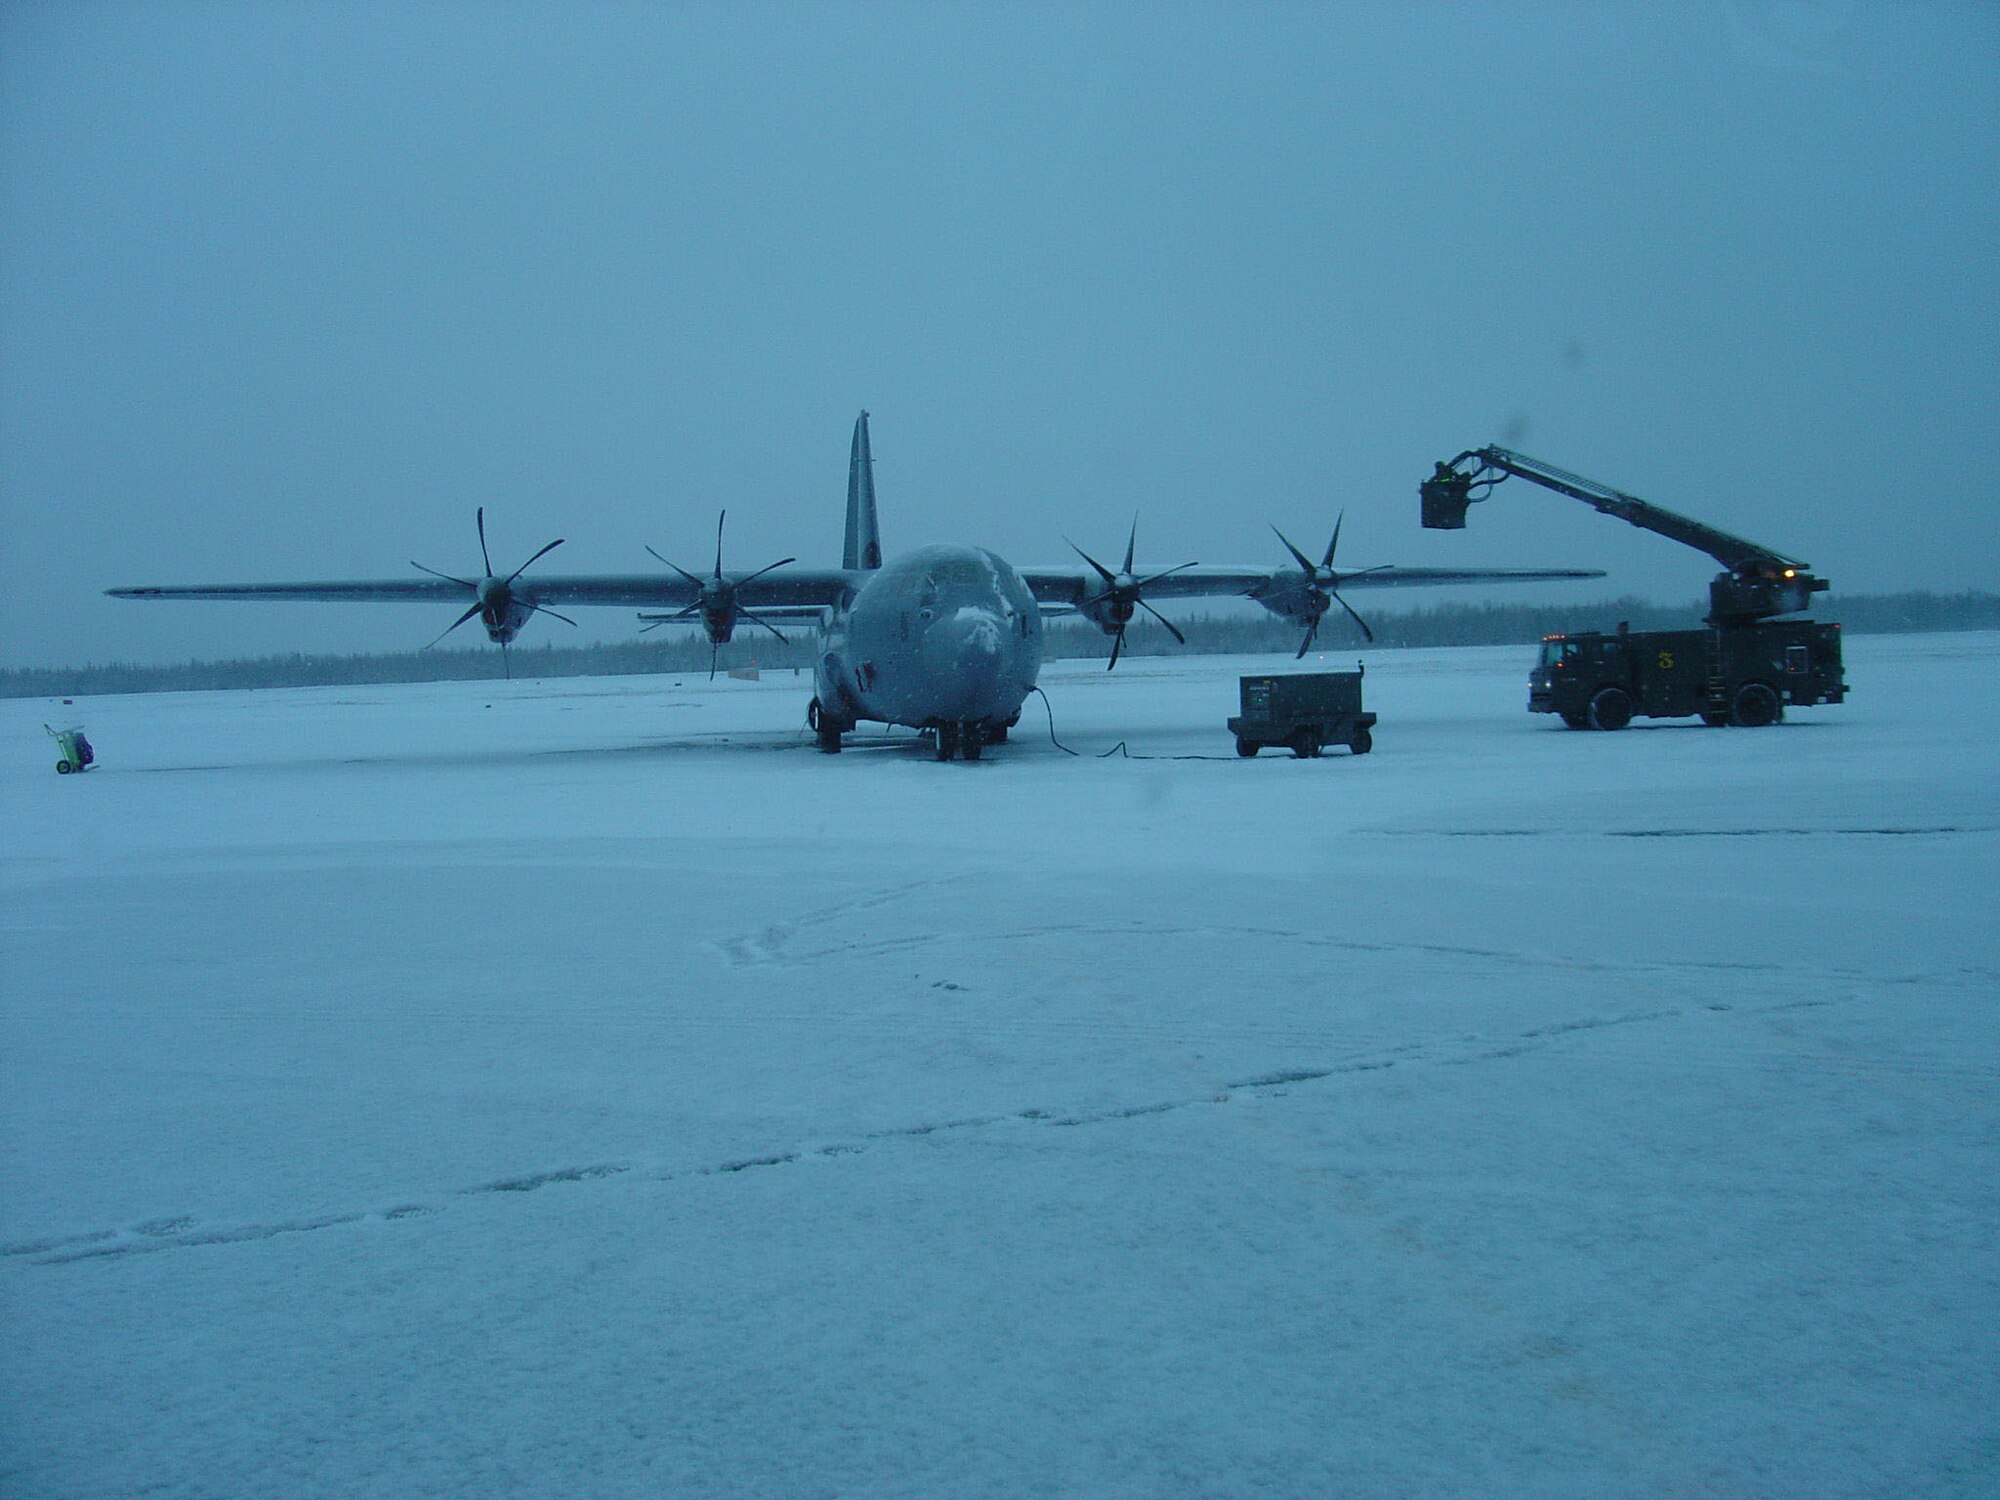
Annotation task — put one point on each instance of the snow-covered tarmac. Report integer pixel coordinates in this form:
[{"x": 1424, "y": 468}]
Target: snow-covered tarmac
[{"x": 585, "y": 1088}]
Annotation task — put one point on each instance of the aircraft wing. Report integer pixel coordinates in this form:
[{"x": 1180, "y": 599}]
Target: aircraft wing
[
  {"x": 1065, "y": 586},
  {"x": 1393, "y": 577},
  {"x": 789, "y": 588}
]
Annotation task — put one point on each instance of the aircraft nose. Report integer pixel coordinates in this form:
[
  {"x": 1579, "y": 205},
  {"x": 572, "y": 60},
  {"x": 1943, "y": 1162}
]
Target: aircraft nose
[
  {"x": 969, "y": 640},
  {"x": 968, "y": 651}
]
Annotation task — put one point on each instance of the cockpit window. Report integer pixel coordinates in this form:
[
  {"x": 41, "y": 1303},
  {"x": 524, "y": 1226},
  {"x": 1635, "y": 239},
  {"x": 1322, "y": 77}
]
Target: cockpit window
[{"x": 956, "y": 572}]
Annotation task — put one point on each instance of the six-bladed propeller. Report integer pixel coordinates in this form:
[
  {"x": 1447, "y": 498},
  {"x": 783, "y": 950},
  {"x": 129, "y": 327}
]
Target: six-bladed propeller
[
  {"x": 717, "y": 603},
  {"x": 502, "y": 611},
  {"x": 1320, "y": 585},
  {"x": 1112, "y": 606}
]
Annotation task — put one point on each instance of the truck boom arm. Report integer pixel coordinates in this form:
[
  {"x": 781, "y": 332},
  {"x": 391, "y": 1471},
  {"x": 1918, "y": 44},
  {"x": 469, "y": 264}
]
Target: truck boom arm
[{"x": 1759, "y": 582}]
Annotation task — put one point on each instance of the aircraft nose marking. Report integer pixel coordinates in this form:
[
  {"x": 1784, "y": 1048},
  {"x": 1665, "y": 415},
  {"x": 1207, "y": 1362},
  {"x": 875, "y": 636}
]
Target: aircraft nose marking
[
  {"x": 967, "y": 649},
  {"x": 978, "y": 630}
]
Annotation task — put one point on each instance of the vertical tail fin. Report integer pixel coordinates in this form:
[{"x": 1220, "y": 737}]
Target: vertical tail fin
[{"x": 864, "y": 542}]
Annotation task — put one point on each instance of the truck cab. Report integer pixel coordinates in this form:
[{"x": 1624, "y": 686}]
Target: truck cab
[{"x": 1572, "y": 670}]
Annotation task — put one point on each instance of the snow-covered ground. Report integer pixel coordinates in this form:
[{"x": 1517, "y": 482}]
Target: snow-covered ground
[{"x": 585, "y": 1088}]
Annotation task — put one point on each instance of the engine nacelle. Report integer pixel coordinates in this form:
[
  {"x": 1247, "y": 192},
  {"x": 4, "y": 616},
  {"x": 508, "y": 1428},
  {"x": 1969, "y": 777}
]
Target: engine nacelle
[
  {"x": 1110, "y": 612},
  {"x": 1295, "y": 600},
  {"x": 718, "y": 618},
  {"x": 501, "y": 613}
]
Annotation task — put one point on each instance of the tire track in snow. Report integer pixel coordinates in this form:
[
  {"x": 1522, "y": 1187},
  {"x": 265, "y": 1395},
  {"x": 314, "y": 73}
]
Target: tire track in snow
[
  {"x": 774, "y": 945},
  {"x": 770, "y": 944},
  {"x": 182, "y": 1232},
  {"x": 1148, "y": 932}
]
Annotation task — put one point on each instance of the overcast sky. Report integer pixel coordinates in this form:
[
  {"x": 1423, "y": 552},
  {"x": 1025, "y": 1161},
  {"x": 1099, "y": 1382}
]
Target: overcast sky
[{"x": 287, "y": 290}]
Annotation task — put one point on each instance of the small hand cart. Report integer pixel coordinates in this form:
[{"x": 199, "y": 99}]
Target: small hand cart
[
  {"x": 76, "y": 751},
  {"x": 1303, "y": 711}
]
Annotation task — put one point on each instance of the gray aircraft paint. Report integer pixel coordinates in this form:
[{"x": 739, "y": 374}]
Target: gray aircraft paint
[
  {"x": 942, "y": 635},
  {"x": 863, "y": 547}
]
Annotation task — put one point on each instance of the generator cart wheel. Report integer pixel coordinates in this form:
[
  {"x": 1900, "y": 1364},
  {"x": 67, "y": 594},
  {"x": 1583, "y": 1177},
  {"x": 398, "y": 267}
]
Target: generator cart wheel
[
  {"x": 1305, "y": 744},
  {"x": 1611, "y": 708},
  {"x": 1362, "y": 742},
  {"x": 1755, "y": 705},
  {"x": 1246, "y": 748}
]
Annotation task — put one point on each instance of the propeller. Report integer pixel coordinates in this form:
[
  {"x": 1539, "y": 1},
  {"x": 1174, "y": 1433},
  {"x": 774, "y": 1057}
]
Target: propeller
[
  {"x": 499, "y": 608},
  {"x": 1112, "y": 607},
  {"x": 1322, "y": 584},
  {"x": 717, "y": 604}
]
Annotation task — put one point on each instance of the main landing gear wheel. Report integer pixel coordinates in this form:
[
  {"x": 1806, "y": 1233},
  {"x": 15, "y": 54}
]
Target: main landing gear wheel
[
  {"x": 826, "y": 730},
  {"x": 1756, "y": 704},
  {"x": 1610, "y": 708},
  {"x": 947, "y": 741}
]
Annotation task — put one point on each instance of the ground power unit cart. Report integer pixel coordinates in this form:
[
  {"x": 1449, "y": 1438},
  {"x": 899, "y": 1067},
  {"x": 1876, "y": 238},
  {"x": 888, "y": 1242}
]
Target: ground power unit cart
[{"x": 1303, "y": 711}]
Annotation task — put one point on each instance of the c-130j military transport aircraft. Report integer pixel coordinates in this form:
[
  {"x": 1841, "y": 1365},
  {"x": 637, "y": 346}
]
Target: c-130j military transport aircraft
[{"x": 947, "y": 639}]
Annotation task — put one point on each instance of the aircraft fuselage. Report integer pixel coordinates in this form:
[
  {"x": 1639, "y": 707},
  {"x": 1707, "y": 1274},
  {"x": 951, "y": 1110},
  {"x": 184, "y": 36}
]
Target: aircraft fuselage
[{"x": 942, "y": 637}]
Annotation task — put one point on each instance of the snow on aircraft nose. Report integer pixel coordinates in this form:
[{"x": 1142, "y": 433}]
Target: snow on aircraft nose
[{"x": 967, "y": 652}]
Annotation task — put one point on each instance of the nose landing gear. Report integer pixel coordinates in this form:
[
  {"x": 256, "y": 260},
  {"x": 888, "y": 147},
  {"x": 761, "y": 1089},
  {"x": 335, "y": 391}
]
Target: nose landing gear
[
  {"x": 952, "y": 739},
  {"x": 966, "y": 741}
]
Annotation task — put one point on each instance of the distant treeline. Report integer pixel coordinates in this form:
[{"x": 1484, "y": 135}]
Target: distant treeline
[{"x": 1207, "y": 635}]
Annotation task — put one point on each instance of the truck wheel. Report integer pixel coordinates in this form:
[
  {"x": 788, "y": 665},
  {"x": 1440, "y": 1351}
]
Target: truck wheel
[
  {"x": 1713, "y": 719},
  {"x": 1755, "y": 705},
  {"x": 1246, "y": 748},
  {"x": 1576, "y": 721},
  {"x": 1611, "y": 708},
  {"x": 1362, "y": 742}
]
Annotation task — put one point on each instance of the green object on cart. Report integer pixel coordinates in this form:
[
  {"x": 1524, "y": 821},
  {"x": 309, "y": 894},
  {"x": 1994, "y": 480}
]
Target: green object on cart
[{"x": 76, "y": 751}]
